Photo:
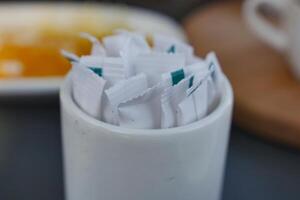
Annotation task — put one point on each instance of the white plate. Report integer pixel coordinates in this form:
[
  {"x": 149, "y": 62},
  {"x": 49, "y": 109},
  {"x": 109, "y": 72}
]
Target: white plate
[{"x": 63, "y": 14}]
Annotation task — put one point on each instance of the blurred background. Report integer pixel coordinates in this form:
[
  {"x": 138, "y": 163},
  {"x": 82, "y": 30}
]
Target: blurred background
[{"x": 263, "y": 158}]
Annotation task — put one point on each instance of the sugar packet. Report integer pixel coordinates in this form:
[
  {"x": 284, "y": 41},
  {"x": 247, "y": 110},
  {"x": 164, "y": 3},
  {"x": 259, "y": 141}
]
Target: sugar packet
[
  {"x": 69, "y": 56},
  {"x": 87, "y": 89},
  {"x": 163, "y": 43},
  {"x": 171, "y": 78},
  {"x": 112, "y": 69},
  {"x": 143, "y": 111},
  {"x": 114, "y": 44},
  {"x": 123, "y": 92},
  {"x": 195, "y": 105},
  {"x": 155, "y": 64},
  {"x": 97, "y": 47},
  {"x": 185, "y": 102},
  {"x": 214, "y": 83}
]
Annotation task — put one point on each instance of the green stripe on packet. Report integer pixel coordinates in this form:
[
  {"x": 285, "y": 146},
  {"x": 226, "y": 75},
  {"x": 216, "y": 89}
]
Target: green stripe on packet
[
  {"x": 177, "y": 76},
  {"x": 171, "y": 49},
  {"x": 191, "y": 81},
  {"x": 97, "y": 70}
]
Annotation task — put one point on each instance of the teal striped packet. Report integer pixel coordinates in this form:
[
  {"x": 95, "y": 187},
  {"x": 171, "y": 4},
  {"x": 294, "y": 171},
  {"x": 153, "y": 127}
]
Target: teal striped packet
[
  {"x": 112, "y": 69},
  {"x": 174, "y": 77},
  {"x": 87, "y": 90},
  {"x": 193, "y": 92},
  {"x": 214, "y": 81},
  {"x": 179, "y": 107},
  {"x": 215, "y": 67}
]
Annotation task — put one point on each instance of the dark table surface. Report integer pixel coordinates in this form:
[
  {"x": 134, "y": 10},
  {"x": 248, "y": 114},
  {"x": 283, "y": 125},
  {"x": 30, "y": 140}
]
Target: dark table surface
[{"x": 31, "y": 161}]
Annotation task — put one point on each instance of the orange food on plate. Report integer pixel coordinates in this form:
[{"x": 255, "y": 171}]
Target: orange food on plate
[{"x": 37, "y": 54}]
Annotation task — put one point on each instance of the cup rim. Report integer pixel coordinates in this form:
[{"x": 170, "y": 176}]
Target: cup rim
[{"x": 67, "y": 103}]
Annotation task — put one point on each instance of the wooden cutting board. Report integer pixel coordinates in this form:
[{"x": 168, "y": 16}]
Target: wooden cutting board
[{"x": 267, "y": 97}]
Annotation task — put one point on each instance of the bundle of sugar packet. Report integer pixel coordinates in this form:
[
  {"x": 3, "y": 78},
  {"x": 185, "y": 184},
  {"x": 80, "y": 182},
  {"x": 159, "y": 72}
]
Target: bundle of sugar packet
[{"x": 126, "y": 82}]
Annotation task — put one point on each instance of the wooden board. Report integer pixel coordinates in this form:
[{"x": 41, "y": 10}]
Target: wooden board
[{"x": 267, "y": 97}]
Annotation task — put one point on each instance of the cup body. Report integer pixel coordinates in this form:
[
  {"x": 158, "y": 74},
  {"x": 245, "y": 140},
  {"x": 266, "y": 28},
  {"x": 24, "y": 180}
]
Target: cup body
[
  {"x": 106, "y": 162},
  {"x": 292, "y": 26},
  {"x": 285, "y": 37}
]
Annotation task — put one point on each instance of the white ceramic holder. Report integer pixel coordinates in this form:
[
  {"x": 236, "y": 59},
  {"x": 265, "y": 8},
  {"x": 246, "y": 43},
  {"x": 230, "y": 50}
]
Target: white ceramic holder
[{"x": 106, "y": 162}]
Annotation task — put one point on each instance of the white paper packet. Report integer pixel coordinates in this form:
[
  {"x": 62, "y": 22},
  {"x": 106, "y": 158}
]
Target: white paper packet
[
  {"x": 114, "y": 44},
  {"x": 123, "y": 92},
  {"x": 174, "y": 77},
  {"x": 194, "y": 59},
  {"x": 164, "y": 43},
  {"x": 69, "y": 56},
  {"x": 87, "y": 88},
  {"x": 97, "y": 47},
  {"x": 170, "y": 99},
  {"x": 195, "y": 106},
  {"x": 214, "y": 83},
  {"x": 214, "y": 65},
  {"x": 111, "y": 69},
  {"x": 156, "y": 64},
  {"x": 142, "y": 111},
  {"x": 131, "y": 49},
  {"x": 185, "y": 102},
  {"x": 139, "y": 38}
]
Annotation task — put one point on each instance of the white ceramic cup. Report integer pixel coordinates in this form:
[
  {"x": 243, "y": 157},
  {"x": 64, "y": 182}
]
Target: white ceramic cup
[
  {"x": 106, "y": 162},
  {"x": 285, "y": 37}
]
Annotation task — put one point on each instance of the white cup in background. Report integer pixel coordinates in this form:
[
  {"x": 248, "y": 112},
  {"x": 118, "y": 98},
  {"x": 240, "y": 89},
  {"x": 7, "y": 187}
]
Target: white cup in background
[
  {"x": 106, "y": 162},
  {"x": 285, "y": 37}
]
